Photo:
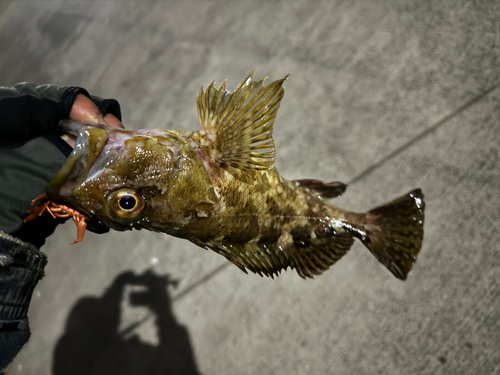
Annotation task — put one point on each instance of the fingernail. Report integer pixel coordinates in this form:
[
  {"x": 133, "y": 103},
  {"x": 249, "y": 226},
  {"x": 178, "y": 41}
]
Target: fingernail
[{"x": 102, "y": 120}]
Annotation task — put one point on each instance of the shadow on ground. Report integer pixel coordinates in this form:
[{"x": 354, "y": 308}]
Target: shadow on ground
[{"x": 94, "y": 342}]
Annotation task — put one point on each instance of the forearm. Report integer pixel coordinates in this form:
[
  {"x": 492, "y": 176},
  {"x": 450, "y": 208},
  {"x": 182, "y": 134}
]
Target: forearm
[{"x": 28, "y": 110}]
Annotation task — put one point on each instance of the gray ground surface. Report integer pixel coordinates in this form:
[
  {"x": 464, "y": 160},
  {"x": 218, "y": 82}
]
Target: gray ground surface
[{"x": 384, "y": 95}]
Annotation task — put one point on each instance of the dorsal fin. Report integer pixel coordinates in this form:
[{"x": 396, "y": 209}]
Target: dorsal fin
[
  {"x": 324, "y": 190},
  {"x": 241, "y": 123}
]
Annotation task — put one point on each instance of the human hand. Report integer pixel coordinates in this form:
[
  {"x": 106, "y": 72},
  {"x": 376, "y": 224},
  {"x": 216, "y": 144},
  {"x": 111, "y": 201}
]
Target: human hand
[
  {"x": 32, "y": 151},
  {"x": 84, "y": 109}
]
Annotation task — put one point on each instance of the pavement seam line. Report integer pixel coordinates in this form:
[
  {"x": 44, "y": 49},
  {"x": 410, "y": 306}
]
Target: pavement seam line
[
  {"x": 423, "y": 134},
  {"x": 203, "y": 280}
]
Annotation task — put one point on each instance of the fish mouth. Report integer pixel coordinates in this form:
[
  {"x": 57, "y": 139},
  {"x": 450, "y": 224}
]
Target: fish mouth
[
  {"x": 91, "y": 140},
  {"x": 99, "y": 150}
]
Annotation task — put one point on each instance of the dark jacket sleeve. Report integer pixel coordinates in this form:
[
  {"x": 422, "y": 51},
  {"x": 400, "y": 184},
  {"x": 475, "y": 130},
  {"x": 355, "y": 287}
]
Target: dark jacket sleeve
[{"x": 28, "y": 111}]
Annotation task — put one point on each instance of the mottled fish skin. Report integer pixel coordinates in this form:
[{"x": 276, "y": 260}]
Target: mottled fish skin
[
  {"x": 218, "y": 188},
  {"x": 261, "y": 218}
]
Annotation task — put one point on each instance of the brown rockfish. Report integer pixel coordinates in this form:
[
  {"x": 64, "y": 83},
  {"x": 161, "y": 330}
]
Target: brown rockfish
[{"x": 218, "y": 188}]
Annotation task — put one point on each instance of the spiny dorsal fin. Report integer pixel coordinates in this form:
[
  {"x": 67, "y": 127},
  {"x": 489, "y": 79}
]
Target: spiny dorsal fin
[{"x": 241, "y": 123}]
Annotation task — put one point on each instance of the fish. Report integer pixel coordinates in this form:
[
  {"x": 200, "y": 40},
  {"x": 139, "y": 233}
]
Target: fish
[{"x": 218, "y": 187}]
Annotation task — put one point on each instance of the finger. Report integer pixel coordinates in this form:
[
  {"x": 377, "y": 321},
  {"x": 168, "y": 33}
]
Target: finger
[
  {"x": 69, "y": 139},
  {"x": 84, "y": 109},
  {"x": 113, "y": 121}
]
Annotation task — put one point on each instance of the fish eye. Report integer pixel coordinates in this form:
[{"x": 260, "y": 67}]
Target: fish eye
[{"x": 127, "y": 203}]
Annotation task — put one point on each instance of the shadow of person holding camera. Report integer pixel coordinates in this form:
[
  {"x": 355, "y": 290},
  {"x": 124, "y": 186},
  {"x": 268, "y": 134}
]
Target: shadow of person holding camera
[{"x": 96, "y": 343}]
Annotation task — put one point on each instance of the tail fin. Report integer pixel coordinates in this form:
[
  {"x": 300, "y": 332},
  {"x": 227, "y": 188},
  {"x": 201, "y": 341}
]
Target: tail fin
[{"x": 394, "y": 232}]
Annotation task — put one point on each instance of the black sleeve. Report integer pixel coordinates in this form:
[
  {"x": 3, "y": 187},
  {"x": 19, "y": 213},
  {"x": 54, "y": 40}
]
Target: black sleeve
[{"x": 28, "y": 111}]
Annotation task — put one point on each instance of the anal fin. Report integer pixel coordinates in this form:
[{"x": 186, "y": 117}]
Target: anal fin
[
  {"x": 309, "y": 259},
  {"x": 320, "y": 254}
]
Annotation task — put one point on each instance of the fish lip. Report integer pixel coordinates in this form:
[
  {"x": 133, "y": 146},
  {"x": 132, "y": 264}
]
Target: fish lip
[{"x": 90, "y": 142}]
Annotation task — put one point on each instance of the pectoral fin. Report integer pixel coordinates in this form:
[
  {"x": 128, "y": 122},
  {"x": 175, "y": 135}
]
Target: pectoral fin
[{"x": 241, "y": 124}]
